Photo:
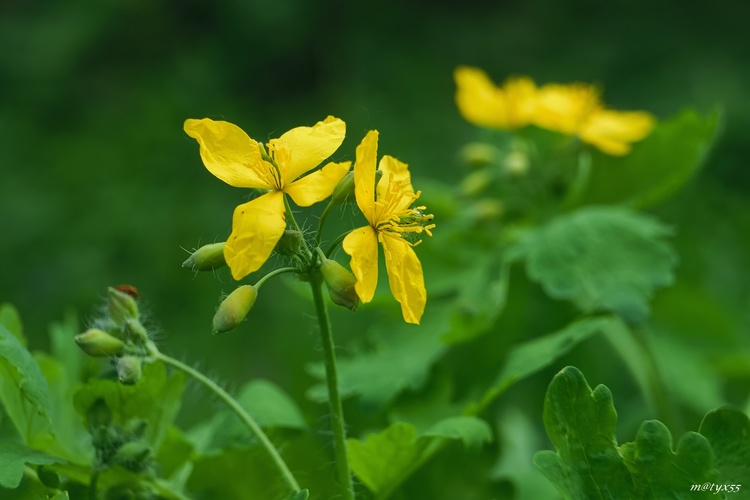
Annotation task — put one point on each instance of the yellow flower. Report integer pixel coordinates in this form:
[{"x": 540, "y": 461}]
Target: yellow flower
[
  {"x": 483, "y": 103},
  {"x": 232, "y": 156},
  {"x": 577, "y": 110},
  {"x": 393, "y": 223}
]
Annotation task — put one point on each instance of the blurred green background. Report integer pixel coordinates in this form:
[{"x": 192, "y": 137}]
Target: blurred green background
[{"x": 100, "y": 186}]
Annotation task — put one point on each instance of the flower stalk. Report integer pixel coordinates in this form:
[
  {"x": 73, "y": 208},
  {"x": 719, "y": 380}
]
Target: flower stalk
[
  {"x": 334, "y": 398},
  {"x": 245, "y": 417}
]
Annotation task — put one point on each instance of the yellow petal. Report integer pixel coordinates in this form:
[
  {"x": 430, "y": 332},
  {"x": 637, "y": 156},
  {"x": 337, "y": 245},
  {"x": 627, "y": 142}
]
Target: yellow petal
[
  {"x": 318, "y": 185},
  {"x": 614, "y": 131},
  {"x": 395, "y": 172},
  {"x": 404, "y": 276},
  {"x": 256, "y": 228},
  {"x": 229, "y": 153},
  {"x": 309, "y": 146},
  {"x": 565, "y": 108},
  {"x": 483, "y": 103},
  {"x": 478, "y": 99},
  {"x": 362, "y": 245},
  {"x": 364, "y": 174}
]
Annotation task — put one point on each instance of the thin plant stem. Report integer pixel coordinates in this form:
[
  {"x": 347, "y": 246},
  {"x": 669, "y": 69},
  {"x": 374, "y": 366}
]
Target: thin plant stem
[
  {"x": 273, "y": 273},
  {"x": 93, "y": 484},
  {"x": 334, "y": 398},
  {"x": 241, "y": 413},
  {"x": 335, "y": 243},
  {"x": 322, "y": 221},
  {"x": 293, "y": 221}
]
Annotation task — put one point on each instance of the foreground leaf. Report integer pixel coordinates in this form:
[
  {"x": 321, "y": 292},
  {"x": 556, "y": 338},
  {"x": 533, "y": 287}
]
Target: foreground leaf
[
  {"x": 590, "y": 465},
  {"x": 23, "y": 390},
  {"x": 728, "y": 431},
  {"x": 11, "y": 320},
  {"x": 384, "y": 460},
  {"x": 13, "y": 457},
  {"x": 601, "y": 259}
]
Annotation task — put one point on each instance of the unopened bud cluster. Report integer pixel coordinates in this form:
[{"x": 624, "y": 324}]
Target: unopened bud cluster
[{"x": 119, "y": 335}]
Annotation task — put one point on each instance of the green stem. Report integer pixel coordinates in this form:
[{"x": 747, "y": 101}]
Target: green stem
[
  {"x": 335, "y": 243},
  {"x": 241, "y": 413},
  {"x": 334, "y": 398},
  {"x": 293, "y": 221},
  {"x": 322, "y": 221},
  {"x": 93, "y": 484},
  {"x": 273, "y": 273}
]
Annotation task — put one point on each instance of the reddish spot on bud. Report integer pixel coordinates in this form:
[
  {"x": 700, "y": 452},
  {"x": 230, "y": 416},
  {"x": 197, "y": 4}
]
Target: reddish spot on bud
[{"x": 129, "y": 289}]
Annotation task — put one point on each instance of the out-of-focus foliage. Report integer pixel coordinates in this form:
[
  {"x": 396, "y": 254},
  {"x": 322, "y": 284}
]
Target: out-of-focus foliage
[{"x": 542, "y": 257}]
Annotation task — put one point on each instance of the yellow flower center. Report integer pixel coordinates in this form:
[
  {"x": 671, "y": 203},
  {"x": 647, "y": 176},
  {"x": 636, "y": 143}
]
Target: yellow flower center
[{"x": 395, "y": 216}]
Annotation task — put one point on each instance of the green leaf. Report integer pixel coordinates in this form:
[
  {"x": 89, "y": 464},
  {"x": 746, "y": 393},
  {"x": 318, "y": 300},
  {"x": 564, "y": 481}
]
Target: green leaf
[
  {"x": 155, "y": 398},
  {"x": 602, "y": 259},
  {"x": 10, "y": 319},
  {"x": 23, "y": 390},
  {"x": 236, "y": 474},
  {"x": 13, "y": 456},
  {"x": 174, "y": 452},
  {"x": 401, "y": 359},
  {"x": 530, "y": 357},
  {"x": 384, "y": 460},
  {"x": 298, "y": 495},
  {"x": 728, "y": 431},
  {"x": 657, "y": 166},
  {"x": 474, "y": 432},
  {"x": 589, "y": 463},
  {"x": 270, "y": 406}
]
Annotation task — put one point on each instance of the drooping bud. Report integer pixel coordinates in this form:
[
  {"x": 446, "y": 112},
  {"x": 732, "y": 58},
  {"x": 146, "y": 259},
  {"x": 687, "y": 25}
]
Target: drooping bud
[
  {"x": 135, "y": 331},
  {"x": 234, "y": 308},
  {"x": 129, "y": 369},
  {"x": 289, "y": 243},
  {"x": 99, "y": 343},
  {"x": 121, "y": 306},
  {"x": 207, "y": 258},
  {"x": 478, "y": 154},
  {"x": 340, "y": 283}
]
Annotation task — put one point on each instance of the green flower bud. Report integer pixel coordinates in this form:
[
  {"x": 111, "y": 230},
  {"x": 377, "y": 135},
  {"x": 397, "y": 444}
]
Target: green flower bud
[
  {"x": 340, "y": 283},
  {"x": 136, "y": 427},
  {"x": 99, "y": 414},
  {"x": 129, "y": 369},
  {"x": 289, "y": 243},
  {"x": 234, "y": 308},
  {"x": 134, "y": 456},
  {"x": 516, "y": 163},
  {"x": 487, "y": 210},
  {"x": 478, "y": 154},
  {"x": 476, "y": 182},
  {"x": 344, "y": 190},
  {"x": 121, "y": 306},
  {"x": 207, "y": 258},
  {"x": 99, "y": 343},
  {"x": 135, "y": 331}
]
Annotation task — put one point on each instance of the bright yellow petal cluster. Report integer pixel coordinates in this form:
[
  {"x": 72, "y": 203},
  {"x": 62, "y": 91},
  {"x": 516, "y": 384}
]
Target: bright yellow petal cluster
[
  {"x": 232, "y": 156},
  {"x": 574, "y": 109},
  {"x": 394, "y": 223}
]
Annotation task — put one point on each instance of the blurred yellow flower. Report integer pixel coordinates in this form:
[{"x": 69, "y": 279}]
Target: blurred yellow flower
[
  {"x": 483, "y": 103},
  {"x": 576, "y": 109},
  {"x": 232, "y": 156},
  {"x": 394, "y": 223}
]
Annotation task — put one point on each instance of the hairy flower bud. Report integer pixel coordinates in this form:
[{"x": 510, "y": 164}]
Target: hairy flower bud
[
  {"x": 121, "y": 305},
  {"x": 340, "y": 283},
  {"x": 135, "y": 331},
  {"x": 234, "y": 308},
  {"x": 344, "y": 190},
  {"x": 207, "y": 258},
  {"x": 129, "y": 369},
  {"x": 289, "y": 243},
  {"x": 99, "y": 343},
  {"x": 134, "y": 456}
]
